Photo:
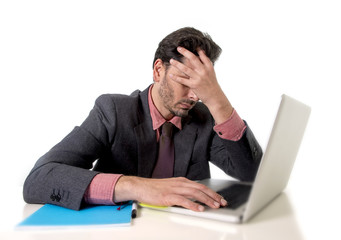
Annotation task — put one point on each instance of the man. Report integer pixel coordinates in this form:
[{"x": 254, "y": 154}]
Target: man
[{"x": 125, "y": 135}]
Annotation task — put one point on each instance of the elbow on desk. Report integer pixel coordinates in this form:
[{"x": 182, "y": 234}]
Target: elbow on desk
[
  {"x": 57, "y": 184},
  {"x": 31, "y": 189}
]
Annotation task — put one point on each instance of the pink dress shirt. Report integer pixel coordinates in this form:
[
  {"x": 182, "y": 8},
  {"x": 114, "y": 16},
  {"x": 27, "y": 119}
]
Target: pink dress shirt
[{"x": 102, "y": 187}]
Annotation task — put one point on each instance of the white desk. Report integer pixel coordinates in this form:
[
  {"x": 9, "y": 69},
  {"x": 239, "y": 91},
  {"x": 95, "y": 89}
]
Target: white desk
[{"x": 277, "y": 221}]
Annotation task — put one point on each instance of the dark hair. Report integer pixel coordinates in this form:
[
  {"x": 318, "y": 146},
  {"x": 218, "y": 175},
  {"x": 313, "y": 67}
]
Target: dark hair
[{"x": 189, "y": 38}]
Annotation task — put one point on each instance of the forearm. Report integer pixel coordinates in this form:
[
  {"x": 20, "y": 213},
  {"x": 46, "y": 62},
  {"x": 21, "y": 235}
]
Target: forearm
[
  {"x": 219, "y": 107},
  {"x": 104, "y": 189},
  {"x": 239, "y": 159}
]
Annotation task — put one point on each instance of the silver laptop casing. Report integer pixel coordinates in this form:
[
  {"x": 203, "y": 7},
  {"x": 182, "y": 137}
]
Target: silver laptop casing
[{"x": 274, "y": 170}]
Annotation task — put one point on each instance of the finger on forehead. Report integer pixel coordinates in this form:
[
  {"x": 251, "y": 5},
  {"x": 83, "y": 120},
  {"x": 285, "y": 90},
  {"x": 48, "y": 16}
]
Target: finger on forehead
[
  {"x": 188, "y": 55},
  {"x": 183, "y": 68}
]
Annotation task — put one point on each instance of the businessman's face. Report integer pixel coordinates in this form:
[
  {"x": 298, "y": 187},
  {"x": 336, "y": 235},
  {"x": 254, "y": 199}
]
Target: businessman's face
[{"x": 177, "y": 98}]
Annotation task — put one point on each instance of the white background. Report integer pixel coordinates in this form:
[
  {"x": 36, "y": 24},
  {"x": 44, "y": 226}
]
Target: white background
[{"x": 57, "y": 57}]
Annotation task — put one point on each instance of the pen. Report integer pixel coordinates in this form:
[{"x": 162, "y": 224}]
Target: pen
[{"x": 134, "y": 210}]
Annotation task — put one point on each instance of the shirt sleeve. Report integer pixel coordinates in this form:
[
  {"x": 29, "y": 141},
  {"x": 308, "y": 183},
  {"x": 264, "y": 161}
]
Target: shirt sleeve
[
  {"x": 101, "y": 189},
  {"x": 232, "y": 129}
]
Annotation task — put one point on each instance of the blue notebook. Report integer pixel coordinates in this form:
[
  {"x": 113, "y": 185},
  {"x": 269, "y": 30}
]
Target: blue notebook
[{"x": 55, "y": 216}]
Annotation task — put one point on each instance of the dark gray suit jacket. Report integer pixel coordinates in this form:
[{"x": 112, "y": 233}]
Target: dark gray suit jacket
[{"x": 118, "y": 134}]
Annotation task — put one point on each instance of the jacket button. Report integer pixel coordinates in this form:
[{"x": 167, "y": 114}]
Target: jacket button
[{"x": 255, "y": 151}]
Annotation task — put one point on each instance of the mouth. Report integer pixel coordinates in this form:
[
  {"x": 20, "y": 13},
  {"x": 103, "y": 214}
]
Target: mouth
[{"x": 186, "y": 105}]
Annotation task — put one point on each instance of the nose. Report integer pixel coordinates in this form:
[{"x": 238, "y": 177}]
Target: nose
[{"x": 192, "y": 96}]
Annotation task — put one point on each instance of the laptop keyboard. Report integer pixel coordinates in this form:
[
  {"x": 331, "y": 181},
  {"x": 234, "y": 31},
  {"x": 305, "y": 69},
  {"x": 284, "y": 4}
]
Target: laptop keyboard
[{"x": 235, "y": 195}]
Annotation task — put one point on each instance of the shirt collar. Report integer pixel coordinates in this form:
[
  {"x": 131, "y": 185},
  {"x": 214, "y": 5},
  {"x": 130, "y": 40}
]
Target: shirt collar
[{"x": 157, "y": 118}]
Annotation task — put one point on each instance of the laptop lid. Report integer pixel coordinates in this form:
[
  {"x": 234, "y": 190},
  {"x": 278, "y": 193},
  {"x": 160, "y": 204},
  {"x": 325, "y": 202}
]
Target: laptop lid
[
  {"x": 280, "y": 154},
  {"x": 273, "y": 173}
]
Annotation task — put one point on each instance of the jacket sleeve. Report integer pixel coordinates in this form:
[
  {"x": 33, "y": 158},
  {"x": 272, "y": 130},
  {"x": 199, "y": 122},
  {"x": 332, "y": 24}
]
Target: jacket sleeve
[
  {"x": 62, "y": 175},
  {"x": 239, "y": 159}
]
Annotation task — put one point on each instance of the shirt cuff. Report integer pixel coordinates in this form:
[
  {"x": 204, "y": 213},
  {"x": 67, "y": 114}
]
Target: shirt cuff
[
  {"x": 232, "y": 129},
  {"x": 101, "y": 189}
]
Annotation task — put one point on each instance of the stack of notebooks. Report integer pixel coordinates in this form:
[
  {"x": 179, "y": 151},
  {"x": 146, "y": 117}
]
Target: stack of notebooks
[{"x": 52, "y": 216}]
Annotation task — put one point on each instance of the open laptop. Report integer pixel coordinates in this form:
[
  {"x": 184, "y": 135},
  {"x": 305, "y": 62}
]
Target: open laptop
[{"x": 247, "y": 199}]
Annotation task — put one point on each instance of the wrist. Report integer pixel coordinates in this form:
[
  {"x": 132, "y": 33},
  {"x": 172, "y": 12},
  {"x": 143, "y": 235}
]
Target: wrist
[
  {"x": 220, "y": 108},
  {"x": 124, "y": 190}
]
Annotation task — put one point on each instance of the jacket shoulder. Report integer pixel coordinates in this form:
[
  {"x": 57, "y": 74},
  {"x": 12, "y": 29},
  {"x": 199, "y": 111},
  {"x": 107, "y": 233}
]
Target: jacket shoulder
[
  {"x": 112, "y": 101},
  {"x": 112, "y": 98}
]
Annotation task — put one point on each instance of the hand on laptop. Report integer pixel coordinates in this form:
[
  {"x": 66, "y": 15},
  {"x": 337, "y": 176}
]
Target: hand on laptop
[{"x": 167, "y": 192}]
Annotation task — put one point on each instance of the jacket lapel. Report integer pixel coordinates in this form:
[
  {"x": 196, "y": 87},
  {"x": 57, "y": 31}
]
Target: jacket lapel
[
  {"x": 147, "y": 149},
  {"x": 183, "y": 144},
  {"x": 146, "y": 139}
]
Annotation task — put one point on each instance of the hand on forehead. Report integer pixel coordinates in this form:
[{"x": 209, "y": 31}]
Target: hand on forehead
[{"x": 191, "y": 64}]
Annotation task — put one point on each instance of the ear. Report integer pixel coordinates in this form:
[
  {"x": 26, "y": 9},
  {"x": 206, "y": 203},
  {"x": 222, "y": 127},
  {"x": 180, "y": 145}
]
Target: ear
[{"x": 158, "y": 71}]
